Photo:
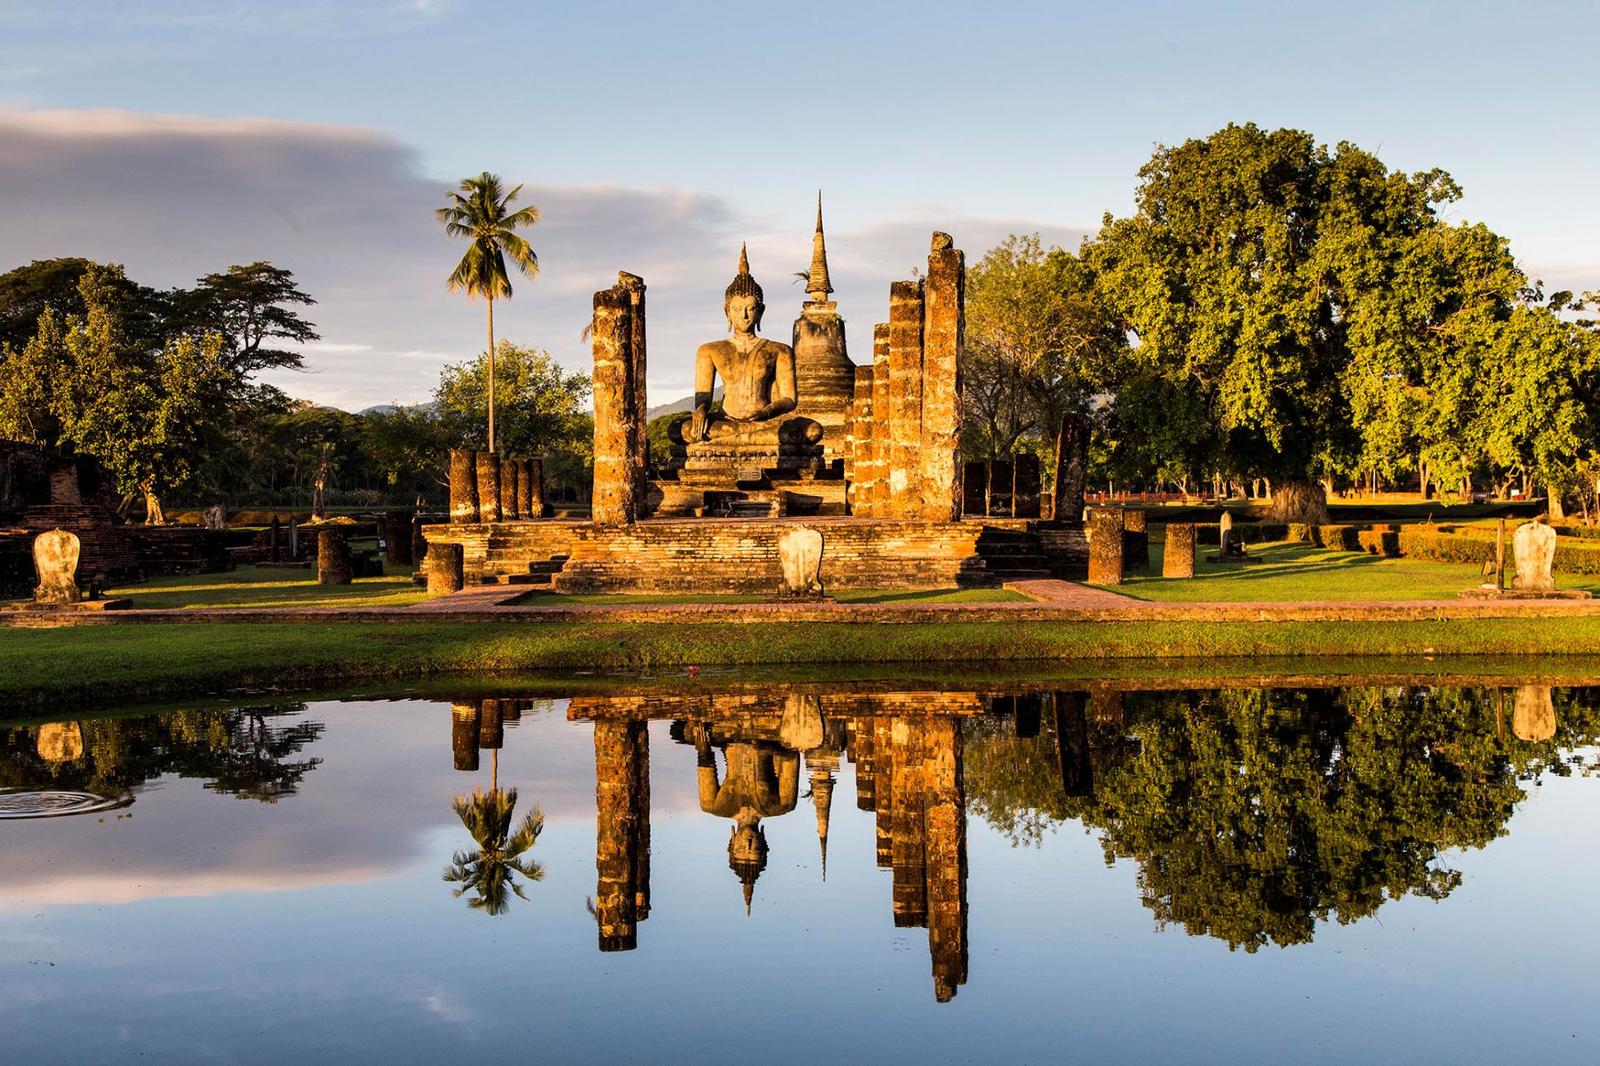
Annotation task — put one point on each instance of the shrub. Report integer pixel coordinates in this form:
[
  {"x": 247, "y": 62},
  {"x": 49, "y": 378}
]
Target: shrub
[
  {"x": 1246, "y": 532},
  {"x": 1299, "y": 531},
  {"x": 1337, "y": 537},
  {"x": 1376, "y": 541}
]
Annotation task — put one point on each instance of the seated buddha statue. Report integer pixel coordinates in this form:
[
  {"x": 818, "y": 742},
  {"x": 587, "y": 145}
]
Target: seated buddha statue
[{"x": 758, "y": 382}]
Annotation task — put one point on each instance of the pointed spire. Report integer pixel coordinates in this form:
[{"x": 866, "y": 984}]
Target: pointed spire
[
  {"x": 822, "y": 798},
  {"x": 817, "y": 286},
  {"x": 749, "y": 891},
  {"x": 744, "y": 260}
]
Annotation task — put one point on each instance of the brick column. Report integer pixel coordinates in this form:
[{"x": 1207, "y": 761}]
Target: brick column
[
  {"x": 880, "y": 421},
  {"x": 944, "y": 346},
  {"x": 488, "y": 466},
  {"x": 858, "y": 442},
  {"x": 905, "y": 400},
  {"x": 618, "y": 413},
  {"x": 1105, "y": 545},
  {"x": 533, "y": 483},
  {"x": 509, "y": 479},
  {"x": 463, "y": 485}
]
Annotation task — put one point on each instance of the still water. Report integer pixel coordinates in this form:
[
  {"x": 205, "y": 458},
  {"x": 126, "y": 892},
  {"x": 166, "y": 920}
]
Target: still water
[{"x": 683, "y": 870}]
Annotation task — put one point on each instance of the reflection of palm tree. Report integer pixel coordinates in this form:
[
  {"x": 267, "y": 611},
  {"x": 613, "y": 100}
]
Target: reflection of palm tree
[{"x": 492, "y": 868}]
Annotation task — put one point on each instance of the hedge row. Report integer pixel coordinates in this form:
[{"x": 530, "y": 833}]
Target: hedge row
[
  {"x": 1572, "y": 557},
  {"x": 1248, "y": 532}
]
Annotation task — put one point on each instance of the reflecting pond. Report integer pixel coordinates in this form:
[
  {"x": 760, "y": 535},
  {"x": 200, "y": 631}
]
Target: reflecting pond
[{"x": 686, "y": 869}]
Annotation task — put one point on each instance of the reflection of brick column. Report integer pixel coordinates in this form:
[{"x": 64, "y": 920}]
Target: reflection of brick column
[
  {"x": 943, "y": 347},
  {"x": 864, "y": 756},
  {"x": 908, "y": 844},
  {"x": 884, "y": 790},
  {"x": 946, "y": 859},
  {"x": 464, "y": 734},
  {"x": 905, "y": 399},
  {"x": 622, "y": 831},
  {"x": 1072, "y": 744},
  {"x": 618, "y": 415}
]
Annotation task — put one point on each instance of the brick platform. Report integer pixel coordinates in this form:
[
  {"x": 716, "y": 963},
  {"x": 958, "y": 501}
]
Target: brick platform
[{"x": 714, "y": 555}]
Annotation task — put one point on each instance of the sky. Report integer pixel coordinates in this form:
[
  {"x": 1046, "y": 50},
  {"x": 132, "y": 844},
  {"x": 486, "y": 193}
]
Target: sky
[{"x": 177, "y": 138}]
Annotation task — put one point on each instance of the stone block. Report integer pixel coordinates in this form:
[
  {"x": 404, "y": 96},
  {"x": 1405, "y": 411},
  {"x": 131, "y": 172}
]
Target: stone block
[
  {"x": 55, "y": 561},
  {"x": 1534, "y": 546},
  {"x": 463, "y": 485},
  {"x": 488, "y": 467},
  {"x": 1177, "y": 557},
  {"x": 800, "y": 557},
  {"x": 1105, "y": 545}
]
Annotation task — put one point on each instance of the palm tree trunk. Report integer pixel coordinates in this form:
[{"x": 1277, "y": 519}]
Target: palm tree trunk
[{"x": 489, "y": 303}]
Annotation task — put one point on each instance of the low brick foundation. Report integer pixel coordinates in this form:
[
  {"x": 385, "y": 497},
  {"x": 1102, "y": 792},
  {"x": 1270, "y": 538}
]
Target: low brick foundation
[{"x": 708, "y": 555}]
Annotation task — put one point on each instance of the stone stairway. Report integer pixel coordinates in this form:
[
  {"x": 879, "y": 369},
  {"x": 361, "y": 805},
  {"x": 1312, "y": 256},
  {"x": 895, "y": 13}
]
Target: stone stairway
[
  {"x": 1012, "y": 555},
  {"x": 507, "y": 565}
]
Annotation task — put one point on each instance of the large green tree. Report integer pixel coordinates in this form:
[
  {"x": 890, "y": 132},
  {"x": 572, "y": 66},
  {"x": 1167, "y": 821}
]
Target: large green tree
[
  {"x": 1255, "y": 267},
  {"x": 543, "y": 408},
  {"x": 252, "y": 308},
  {"x": 480, "y": 212},
  {"x": 1040, "y": 342},
  {"x": 85, "y": 385}
]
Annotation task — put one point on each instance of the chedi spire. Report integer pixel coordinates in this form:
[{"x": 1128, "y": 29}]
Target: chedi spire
[{"x": 817, "y": 285}]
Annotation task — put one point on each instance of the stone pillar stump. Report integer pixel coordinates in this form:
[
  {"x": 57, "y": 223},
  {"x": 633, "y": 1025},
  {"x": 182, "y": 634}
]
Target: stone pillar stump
[
  {"x": 488, "y": 464},
  {"x": 333, "y": 557},
  {"x": 463, "y": 485},
  {"x": 1177, "y": 558},
  {"x": 444, "y": 565},
  {"x": 1105, "y": 545},
  {"x": 397, "y": 537}
]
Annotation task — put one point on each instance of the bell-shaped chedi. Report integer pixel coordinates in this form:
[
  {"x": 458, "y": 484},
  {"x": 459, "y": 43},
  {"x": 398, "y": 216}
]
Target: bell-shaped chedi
[{"x": 824, "y": 374}]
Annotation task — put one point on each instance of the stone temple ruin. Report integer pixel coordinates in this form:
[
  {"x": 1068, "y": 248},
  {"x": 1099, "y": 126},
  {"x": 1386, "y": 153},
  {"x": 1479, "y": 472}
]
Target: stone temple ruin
[{"x": 868, "y": 454}]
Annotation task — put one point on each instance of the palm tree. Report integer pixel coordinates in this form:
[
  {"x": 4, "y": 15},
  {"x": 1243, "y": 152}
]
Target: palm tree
[
  {"x": 481, "y": 212},
  {"x": 491, "y": 869}
]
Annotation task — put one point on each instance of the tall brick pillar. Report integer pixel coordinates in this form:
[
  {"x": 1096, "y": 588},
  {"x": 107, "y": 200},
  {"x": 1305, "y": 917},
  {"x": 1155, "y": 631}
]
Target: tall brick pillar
[
  {"x": 905, "y": 400},
  {"x": 944, "y": 347},
  {"x": 618, "y": 408},
  {"x": 488, "y": 468},
  {"x": 463, "y": 486},
  {"x": 858, "y": 442},
  {"x": 622, "y": 831},
  {"x": 880, "y": 421}
]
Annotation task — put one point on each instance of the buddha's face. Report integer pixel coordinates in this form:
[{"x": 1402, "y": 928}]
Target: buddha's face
[
  {"x": 747, "y": 844},
  {"x": 744, "y": 314}
]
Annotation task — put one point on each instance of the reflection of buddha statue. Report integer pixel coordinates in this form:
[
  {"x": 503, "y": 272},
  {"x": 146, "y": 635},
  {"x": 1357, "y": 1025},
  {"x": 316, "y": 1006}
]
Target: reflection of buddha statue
[{"x": 762, "y": 781}]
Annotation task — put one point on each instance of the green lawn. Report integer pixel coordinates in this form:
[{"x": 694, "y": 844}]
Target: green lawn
[
  {"x": 1294, "y": 572},
  {"x": 250, "y": 587},
  {"x": 96, "y": 666},
  {"x": 553, "y": 599}
]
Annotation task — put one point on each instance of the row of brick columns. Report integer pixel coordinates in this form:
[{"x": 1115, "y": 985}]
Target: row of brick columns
[
  {"x": 902, "y": 453},
  {"x": 486, "y": 487},
  {"x": 1119, "y": 542}
]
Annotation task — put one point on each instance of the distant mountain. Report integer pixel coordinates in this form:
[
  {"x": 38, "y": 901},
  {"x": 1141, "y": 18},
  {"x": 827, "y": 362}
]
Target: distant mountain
[
  {"x": 680, "y": 406},
  {"x": 390, "y": 408}
]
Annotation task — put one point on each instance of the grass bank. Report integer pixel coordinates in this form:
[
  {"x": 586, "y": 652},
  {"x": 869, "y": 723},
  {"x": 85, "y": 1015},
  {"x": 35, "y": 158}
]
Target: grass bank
[{"x": 51, "y": 669}]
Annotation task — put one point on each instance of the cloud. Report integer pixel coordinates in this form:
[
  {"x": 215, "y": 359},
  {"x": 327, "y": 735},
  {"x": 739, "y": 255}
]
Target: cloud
[{"x": 350, "y": 211}]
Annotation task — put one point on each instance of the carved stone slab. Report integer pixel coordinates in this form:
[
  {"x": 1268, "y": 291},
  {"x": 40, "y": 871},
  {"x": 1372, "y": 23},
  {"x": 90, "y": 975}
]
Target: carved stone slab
[
  {"x": 800, "y": 555},
  {"x": 55, "y": 560},
  {"x": 1534, "y": 547},
  {"x": 1533, "y": 718}
]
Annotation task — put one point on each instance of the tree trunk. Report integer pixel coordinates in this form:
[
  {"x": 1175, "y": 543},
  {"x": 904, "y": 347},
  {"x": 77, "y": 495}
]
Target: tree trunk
[
  {"x": 489, "y": 302},
  {"x": 1299, "y": 500},
  {"x": 153, "y": 514},
  {"x": 1072, "y": 466},
  {"x": 1557, "y": 512}
]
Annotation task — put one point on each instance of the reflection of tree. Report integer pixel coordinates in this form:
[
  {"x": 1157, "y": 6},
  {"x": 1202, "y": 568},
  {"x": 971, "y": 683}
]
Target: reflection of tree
[
  {"x": 1254, "y": 814},
  {"x": 247, "y": 752},
  {"x": 490, "y": 871}
]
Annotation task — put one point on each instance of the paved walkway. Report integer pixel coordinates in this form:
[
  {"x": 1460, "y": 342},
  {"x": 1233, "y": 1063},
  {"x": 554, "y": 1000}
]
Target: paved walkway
[{"x": 1050, "y": 601}]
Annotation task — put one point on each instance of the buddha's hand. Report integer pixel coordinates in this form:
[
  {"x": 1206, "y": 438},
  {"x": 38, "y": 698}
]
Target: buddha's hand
[{"x": 697, "y": 424}]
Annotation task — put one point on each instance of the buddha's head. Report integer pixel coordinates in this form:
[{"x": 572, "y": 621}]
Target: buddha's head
[
  {"x": 747, "y": 854},
  {"x": 743, "y": 302}
]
